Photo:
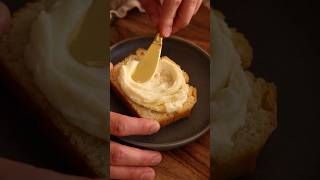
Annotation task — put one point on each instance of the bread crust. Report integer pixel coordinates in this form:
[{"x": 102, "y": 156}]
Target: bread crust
[
  {"x": 242, "y": 159},
  {"x": 163, "y": 118}
]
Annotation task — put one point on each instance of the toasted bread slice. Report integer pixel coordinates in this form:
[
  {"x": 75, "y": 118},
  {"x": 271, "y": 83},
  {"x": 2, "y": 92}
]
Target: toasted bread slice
[
  {"x": 163, "y": 118},
  {"x": 261, "y": 121},
  {"x": 83, "y": 150}
]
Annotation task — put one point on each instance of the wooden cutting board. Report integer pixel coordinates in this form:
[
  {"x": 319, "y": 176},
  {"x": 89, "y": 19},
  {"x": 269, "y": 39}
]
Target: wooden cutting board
[{"x": 193, "y": 160}]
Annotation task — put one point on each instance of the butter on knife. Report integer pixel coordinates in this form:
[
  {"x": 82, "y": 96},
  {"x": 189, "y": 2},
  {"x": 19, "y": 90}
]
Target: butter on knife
[
  {"x": 149, "y": 62},
  {"x": 88, "y": 42}
]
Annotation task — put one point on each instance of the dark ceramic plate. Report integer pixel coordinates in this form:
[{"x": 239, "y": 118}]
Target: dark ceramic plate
[{"x": 195, "y": 62}]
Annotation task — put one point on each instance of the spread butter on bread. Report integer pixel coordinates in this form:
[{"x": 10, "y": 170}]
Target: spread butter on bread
[{"x": 166, "y": 99}]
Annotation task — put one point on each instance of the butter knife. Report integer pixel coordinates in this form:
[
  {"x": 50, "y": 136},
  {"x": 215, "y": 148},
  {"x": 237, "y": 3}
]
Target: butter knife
[
  {"x": 88, "y": 42},
  {"x": 149, "y": 62}
]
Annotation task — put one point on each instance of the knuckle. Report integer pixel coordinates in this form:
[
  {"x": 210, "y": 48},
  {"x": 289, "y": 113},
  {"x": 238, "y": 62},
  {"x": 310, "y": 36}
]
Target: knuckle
[
  {"x": 177, "y": 2},
  {"x": 143, "y": 159},
  {"x": 193, "y": 3},
  {"x": 167, "y": 23},
  {"x": 116, "y": 156},
  {"x": 183, "y": 22},
  {"x": 134, "y": 174},
  {"x": 119, "y": 128},
  {"x": 146, "y": 160},
  {"x": 145, "y": 127}
]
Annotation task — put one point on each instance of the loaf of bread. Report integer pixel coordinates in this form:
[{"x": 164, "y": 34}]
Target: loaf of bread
[
  {"x": 260, "y": 121},
  {"x": 162, "y": 117},
  {"x": 86, "y": 152}
]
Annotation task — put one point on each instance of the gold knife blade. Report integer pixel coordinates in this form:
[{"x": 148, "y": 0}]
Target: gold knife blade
[
  {"x": 88, "y": 42},
  {"x": 149, "y": 62}
]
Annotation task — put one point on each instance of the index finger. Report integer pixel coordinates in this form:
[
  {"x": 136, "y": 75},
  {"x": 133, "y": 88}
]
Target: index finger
[
  {"x": 168, "y": 14},
  {"x": 184, "y": 15},
  {"x": 121, "y": 125}
]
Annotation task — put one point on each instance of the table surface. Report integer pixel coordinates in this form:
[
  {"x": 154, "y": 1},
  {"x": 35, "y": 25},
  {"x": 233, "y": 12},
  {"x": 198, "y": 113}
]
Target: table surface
[{"x": 193, "y": 160}]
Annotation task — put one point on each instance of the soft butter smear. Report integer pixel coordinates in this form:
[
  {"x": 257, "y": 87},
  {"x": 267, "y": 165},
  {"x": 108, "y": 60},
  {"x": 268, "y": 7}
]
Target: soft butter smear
[
  {"x": 76, "y": 90},
  {"x": 166, "y": 91}
]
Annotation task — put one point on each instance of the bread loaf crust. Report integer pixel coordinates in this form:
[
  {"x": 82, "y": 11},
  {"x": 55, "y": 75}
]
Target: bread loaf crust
[{"x": 260, "y": 122}]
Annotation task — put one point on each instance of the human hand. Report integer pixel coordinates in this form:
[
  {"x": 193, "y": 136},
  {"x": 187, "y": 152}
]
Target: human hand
[
  {"x": 128, "y": 162},
  {"x": 172, "y": 15}
]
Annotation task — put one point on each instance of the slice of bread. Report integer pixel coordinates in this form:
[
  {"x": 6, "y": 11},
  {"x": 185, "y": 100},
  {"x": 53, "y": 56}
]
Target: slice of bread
[
  {"x": 261, "y": 121},
  {"x": 84, "y": 151},
  {"x": 140, "y": 111}
]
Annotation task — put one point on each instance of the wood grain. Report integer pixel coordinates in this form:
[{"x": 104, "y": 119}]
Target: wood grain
[{"x": 193, "y": 160}]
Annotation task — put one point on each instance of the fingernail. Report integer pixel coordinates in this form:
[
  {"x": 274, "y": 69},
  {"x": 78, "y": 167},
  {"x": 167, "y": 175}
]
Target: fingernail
[
  {"x": 166, "y": 32},
  {"x": 154, "y": 127},
  {"x": 156, "y": 159},
  {"x": 149, "y": 175}
]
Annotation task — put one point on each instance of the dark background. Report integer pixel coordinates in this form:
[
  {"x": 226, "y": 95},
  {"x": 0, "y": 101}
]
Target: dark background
[{"x": 284, "y": 37}]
